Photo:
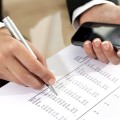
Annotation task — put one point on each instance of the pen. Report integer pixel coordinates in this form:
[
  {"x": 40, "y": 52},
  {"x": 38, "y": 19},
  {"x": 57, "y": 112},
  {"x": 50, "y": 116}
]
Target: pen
[{"x": 15, "y": 32}]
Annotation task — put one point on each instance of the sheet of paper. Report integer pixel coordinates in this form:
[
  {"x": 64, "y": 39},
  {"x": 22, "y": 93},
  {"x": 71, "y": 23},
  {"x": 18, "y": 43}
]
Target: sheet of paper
[{"x": 87, "y": 88}]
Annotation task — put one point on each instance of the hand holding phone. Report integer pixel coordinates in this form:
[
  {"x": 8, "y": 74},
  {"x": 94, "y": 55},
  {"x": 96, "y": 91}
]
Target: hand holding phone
[
  {"x": 92, "y": 30},
  {"x": 104, "y": 51}
]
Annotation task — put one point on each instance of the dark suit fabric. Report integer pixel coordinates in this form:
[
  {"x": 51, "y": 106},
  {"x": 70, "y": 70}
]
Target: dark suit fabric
[
  {"x": 1, "y": 10},
  {"x": 73, "y": 4}
]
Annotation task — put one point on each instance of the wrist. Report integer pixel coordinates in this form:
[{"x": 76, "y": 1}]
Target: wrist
[
  {"x": 101, "y": 13},
  {"x": 89, "y": 15},
  {"x": 117, "y": 15}
]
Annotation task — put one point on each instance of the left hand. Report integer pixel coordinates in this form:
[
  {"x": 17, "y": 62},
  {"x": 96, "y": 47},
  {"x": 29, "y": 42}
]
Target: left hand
[{"x": 104, "y": 51}]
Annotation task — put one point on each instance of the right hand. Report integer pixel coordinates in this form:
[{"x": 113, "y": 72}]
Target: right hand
[{"x": 18, "y": 65}]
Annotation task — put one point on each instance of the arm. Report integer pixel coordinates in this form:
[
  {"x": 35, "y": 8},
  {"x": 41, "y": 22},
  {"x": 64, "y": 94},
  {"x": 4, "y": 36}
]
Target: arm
[
  {"x": 74, "y": 4},
  {"x": 77, "y": 7}
]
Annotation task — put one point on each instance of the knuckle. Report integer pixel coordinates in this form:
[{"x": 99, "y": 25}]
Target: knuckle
[
  {"x": 12, "y": 46},
  {"x": 33, "y": 67},
  {"x": 25, "y": 78},
  {"x": 109, "y": 55},
  {"x": 45, "y": 76}
]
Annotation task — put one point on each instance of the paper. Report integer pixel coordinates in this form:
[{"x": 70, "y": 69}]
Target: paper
[
  {"x": 47, "y": 35},
  {"x": 87, "y": 88}
]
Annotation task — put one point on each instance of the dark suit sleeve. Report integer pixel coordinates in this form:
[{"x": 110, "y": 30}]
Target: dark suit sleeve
[
  {"x": 73, "y": 4},
  {"x": 1, "y": 10}
]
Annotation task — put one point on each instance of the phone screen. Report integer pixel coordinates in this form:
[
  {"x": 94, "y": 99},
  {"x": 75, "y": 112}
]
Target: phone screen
[{"x": 90, "y": 31}]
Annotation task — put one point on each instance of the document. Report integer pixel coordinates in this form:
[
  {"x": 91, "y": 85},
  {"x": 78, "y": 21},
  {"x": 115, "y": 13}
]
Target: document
[{"x": 87, "y": 90}]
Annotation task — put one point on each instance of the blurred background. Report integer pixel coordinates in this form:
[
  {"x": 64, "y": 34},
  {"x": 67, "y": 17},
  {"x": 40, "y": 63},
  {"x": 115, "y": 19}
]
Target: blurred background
[
  {"x": 43, "y": 22},
  {"x": 29, "y": 14}
]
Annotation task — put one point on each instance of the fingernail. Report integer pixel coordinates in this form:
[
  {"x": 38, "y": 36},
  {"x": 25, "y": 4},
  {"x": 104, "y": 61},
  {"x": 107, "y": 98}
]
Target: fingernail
[
  {"x": 87, "y": 44},
  {"x": 118, "y": 53},
  {"x": 106, "y": 45},
  {"x": 51, "y": 81},
  {"x": 97, "y": 42}
]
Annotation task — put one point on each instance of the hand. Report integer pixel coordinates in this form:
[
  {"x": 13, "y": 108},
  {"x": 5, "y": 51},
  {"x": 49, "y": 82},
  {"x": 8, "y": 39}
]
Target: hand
[
  {"x": 18, "y": 65},
  {"x": 103, "y": 51},
  {"x": 105, "y": 13}
]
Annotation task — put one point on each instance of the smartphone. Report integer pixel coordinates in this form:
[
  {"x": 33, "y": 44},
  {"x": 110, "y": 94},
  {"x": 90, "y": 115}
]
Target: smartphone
[{"x": 92, "y": 30}]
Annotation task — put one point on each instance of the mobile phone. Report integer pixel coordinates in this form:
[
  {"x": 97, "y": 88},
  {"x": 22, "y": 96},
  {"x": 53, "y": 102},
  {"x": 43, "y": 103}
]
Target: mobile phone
[{"x": 92, "y": 30}]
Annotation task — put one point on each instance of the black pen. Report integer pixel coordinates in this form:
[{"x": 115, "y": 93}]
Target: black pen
[{"x": 15, "y": 32}]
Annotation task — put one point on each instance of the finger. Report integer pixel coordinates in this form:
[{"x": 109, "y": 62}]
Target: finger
[
  {"x": 110, "y": 52},
  {"x": 10, "y": 77},
  {"x": 118, "y": 53},
  {"x": 33, "y": 65},
  {"x": 22, "y": 74},
  {"x": 98, "y": 50},
  {"x": 7, "y": 75},
  {"x": 37, "y": 53},
  {"x": 89, "y": 49}
]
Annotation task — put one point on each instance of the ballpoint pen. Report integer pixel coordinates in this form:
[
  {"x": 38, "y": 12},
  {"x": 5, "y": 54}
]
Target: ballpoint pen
[{"x": 15, "y": 32}]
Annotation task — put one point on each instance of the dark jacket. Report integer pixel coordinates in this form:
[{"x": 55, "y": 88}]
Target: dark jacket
[
  {"x": 73, "y": 4},
  {"x": 1, "y": 10}
]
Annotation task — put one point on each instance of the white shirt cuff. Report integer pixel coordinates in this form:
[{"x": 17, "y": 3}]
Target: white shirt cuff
[
  {"x": 2, "y": 24},
  {"x": 83, "y": 8}
]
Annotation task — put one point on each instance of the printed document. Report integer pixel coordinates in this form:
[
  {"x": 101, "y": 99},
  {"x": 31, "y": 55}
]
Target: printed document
[{"x": 87, "y": 90}]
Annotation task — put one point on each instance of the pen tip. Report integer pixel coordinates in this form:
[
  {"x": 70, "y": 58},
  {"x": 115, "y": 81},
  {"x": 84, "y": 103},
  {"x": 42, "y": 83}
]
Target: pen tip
[
  {"x": 56, "y": 94},
  {"x": 53, "y": 90}
]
